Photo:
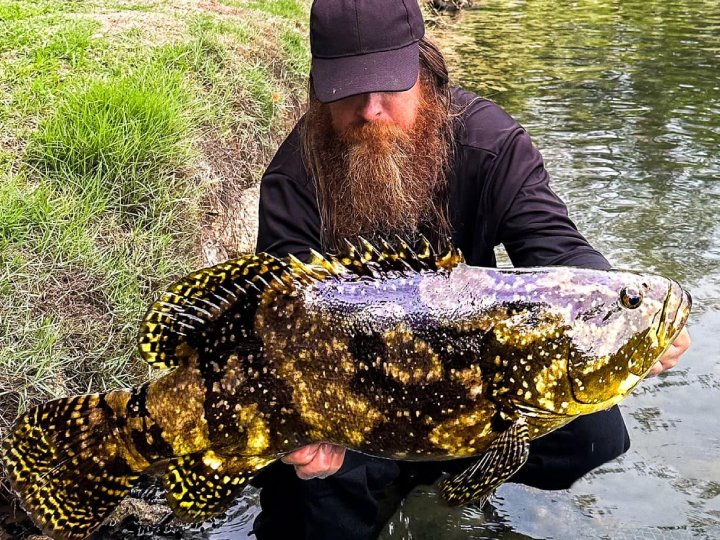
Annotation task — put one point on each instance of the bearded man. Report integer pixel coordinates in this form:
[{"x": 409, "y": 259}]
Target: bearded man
[{"x": 388, "y": 147}]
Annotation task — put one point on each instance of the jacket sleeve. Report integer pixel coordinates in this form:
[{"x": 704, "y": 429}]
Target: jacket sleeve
[
  {"x": 533, "y": 223},
  {"x": 534, "y": 226}
]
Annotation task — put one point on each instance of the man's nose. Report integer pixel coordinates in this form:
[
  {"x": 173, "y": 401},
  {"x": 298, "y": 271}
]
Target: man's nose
[{"x": 371, "y": 108}]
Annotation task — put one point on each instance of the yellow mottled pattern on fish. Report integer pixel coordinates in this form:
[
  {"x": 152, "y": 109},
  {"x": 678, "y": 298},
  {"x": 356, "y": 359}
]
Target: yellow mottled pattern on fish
[{"x": 392, "y": 351}]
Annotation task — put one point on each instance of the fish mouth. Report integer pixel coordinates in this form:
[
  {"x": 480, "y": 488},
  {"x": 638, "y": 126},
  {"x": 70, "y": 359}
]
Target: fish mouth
[
  {"x": 672, "y": 319},
  {"x": 637, "y": 355},
  {"x": 676, "y": 312}
]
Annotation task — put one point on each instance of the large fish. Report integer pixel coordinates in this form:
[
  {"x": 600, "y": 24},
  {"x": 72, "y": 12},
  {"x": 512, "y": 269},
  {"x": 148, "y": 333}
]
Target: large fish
[{"x": 404, "y": 355}]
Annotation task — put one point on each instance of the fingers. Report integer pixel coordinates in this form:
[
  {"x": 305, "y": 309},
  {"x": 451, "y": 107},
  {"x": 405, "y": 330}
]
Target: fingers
[
  {"x": 672, "y": 356},
  {"x": 318, "y": 460},
  {"x": 302, "y": 456},
  {"x": 328, "y": 460},
  {"x": 676, "y": 350},
  {"x": 657, "y": 369}
]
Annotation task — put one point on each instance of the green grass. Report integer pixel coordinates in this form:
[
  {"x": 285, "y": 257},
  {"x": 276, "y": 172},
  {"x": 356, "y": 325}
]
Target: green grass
[
  {"x": 7, "y": 158},
  {"x": 254, "y": 79},
  {"x": 102, "y": 199},
  {"x": 294, "y": 46},
  {"x": 146, "y": 7},
  {"x": 50, "y": 36},
  {"x": 69, "y": 44},
  {"x": 119, "y": 141},
  {"x": 15, "y": 10},
  {"x": 34, "y": 340},
  {"x": 206, "y": 24},
  {"x": 290, "y": 9}
]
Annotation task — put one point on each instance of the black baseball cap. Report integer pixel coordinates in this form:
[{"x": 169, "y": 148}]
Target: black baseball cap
[{"x": 361, "y": 46}]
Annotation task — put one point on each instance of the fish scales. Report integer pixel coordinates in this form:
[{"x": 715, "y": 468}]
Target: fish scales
[{"x": 396, "y": 353}]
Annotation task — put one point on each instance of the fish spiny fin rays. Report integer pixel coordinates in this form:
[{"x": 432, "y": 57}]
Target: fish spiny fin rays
[
  {"x": 366, "y": 259},
  {"x": 68, "y": 465},
  {"x": 213, "y": 309},
  {"x": 503, "y": 458},
  {"x": 332, "y": 267},
  {"x": 200, "y": 486},
  {"x": 318, "y": 268},
  {"x": 449, "y": 258}
]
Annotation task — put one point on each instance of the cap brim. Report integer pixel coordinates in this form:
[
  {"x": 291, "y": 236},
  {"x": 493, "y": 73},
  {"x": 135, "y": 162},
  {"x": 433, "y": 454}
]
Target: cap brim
[{"x": 385, "y": 71}]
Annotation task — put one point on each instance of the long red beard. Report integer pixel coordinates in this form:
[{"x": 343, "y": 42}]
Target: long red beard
[{"x": 377, "y": 179}]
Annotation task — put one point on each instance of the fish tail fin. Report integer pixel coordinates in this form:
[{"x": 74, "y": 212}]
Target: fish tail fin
[{"x": 68, "y": 463}]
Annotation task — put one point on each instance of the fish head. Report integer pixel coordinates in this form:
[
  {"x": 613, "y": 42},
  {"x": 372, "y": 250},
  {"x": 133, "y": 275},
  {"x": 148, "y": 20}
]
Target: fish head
[
  {"x": 623, "y": 324},
  {"x": 562, "y": 341}
]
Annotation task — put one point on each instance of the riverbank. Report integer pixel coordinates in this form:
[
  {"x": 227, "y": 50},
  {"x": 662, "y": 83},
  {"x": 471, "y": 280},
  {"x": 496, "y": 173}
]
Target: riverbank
[{"x": 133, "y": 135}]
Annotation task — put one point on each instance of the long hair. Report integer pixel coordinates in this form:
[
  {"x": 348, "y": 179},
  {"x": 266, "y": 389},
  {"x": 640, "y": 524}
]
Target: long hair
[{"x": 434, "y": 69}]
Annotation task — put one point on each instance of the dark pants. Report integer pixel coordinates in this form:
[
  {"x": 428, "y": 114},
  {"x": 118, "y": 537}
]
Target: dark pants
[{"x": 357, "y": 502}]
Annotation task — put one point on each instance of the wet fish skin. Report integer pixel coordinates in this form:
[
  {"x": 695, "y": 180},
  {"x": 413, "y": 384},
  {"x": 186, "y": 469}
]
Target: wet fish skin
[{"x": 387, "y": 351}]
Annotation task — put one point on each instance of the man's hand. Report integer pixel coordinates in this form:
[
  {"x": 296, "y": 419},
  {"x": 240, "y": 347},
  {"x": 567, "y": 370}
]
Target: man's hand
[
  {"x": 318, "y": 460},
  {"x": 672, "y": 355}
]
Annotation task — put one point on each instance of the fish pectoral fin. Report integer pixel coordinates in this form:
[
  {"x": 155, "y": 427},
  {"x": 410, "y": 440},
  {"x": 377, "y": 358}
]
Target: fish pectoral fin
[
  {"x": 503, "y": 458},
  {"x": 200, "y": 486}
]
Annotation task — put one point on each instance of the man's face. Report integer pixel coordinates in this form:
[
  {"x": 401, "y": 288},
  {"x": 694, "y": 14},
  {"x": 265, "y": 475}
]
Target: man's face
[
  {"x": 395, "y": 108},
  {"x": 379, "y": 161}
]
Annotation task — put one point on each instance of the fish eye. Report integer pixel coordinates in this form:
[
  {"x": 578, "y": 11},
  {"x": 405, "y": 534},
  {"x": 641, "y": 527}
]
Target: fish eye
[{"x": 631, "y": 297}]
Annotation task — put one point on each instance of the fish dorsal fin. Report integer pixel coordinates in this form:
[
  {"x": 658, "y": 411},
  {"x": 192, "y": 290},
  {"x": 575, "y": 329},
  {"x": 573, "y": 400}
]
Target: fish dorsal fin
[
  {"x": 332, "y": 267},
  {"x": 318, "y": 268},
  {"x": 363, "y": 258},
  {"x": 213, "y": 309},
  {"x": 449, "y": 258}
]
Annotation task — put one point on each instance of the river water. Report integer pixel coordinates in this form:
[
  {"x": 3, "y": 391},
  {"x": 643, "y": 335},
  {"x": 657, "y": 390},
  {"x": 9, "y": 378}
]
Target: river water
[{"x": 623, "y": 99}]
